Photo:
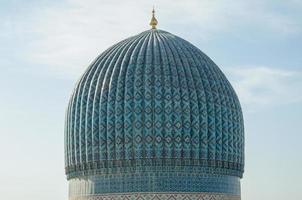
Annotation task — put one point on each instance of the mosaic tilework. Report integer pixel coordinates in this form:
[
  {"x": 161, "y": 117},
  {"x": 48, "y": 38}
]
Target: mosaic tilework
[
  {"x": 151, "y": 100},
  {"x": 154, "y": 182},
  {"x": 160, "y": 196}
]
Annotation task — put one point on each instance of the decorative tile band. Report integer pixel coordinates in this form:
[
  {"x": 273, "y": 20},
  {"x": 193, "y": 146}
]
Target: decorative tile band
[
  {"x": 154, "y": 182},
  {"x": 159, "y": 196},
  {"x": 163, "y": 165}
]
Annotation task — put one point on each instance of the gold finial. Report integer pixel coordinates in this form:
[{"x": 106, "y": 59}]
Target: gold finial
[{"x": 153, "y": 21}]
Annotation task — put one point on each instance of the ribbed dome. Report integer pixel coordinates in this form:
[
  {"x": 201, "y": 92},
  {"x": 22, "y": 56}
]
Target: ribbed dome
[{"x": 150, "y": 102}]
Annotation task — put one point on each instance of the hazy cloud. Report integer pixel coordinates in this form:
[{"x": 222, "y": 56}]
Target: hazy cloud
[
  {"x": 63, "y": 38},
  {"x": 262, "y": 86}
]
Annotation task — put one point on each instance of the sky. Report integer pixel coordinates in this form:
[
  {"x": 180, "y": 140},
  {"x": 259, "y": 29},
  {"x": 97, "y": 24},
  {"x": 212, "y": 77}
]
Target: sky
[{"x": 45, "y": 46}]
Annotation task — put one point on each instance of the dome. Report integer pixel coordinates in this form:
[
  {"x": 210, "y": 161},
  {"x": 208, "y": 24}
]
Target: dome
[{"x": 154, "y": 103}]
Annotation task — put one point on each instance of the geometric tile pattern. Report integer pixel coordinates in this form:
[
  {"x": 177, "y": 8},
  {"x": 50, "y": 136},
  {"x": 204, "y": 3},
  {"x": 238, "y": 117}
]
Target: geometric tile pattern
[
  {"x": 154, "y": 182},
  {"x": 159, "y": 196},
  {"x": 149, "y": 102}
]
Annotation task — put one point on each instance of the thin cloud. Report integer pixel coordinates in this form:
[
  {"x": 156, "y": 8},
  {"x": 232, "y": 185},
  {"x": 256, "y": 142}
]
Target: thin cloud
[
  {"x": 68, "y": 36},
  {"x": 63, "y": 38},
  {"x": 262, "y": 86}
]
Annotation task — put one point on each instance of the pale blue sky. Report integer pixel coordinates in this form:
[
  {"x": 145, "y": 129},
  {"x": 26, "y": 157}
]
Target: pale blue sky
[{"x": 46, "y": 45}]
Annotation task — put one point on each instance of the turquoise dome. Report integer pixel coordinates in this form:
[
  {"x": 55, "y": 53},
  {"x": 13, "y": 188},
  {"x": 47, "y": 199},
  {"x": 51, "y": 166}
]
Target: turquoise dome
[{"x": 153, "y": 102}]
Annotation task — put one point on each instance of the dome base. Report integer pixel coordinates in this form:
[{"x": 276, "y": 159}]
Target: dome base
[{"x": 159, "y": 196}]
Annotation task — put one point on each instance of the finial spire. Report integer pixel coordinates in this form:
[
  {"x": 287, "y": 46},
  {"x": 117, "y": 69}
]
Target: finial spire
[{"x": 153, "y": 21}]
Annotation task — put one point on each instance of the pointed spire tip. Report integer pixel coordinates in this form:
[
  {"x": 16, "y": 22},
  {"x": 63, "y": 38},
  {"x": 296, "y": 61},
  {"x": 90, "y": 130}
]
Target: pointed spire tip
[{"x": 153, "y": 21}]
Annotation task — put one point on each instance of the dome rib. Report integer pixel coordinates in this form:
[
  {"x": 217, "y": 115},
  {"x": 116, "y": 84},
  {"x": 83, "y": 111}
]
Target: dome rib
[
  {"x": 217, "y": 121},
  {"x": 216, "y": 100},
  {"x": 193, "y": 99},
  {"x": 189, "y": 67},
  {"x": 208, "y": 141},
  {"x": 159, "y": 101},
  {"x": 176, "y": 102},
  {"x": 76, "y": 101},
  {"x": 145, "y": 99},
  {"x": 106, "y": 139},
  {"x": 218, "y": 149},
  {"x": 199, "y": 86},
  {"x": 128, "y": 102},
  {"x": 112, "y": 78},
  {"x": 96, "y": 81},
  {"x": 168, "y": 146},
  {"x": 120, "y": 90},
  {"x": 72, "y": 112},
  {"x": 232, "y": 106},
  {"x": 96, "y": 117},
  {"x": 184, "y": 99},
  {"x": 109, "y": 63}
]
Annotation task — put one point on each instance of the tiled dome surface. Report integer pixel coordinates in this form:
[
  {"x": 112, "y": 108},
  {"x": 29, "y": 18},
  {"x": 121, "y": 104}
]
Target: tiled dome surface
[{"x": 153, "y": 102}]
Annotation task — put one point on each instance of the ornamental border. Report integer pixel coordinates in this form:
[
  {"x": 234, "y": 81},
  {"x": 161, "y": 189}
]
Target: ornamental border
[{"x": 106, "y": 167}]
